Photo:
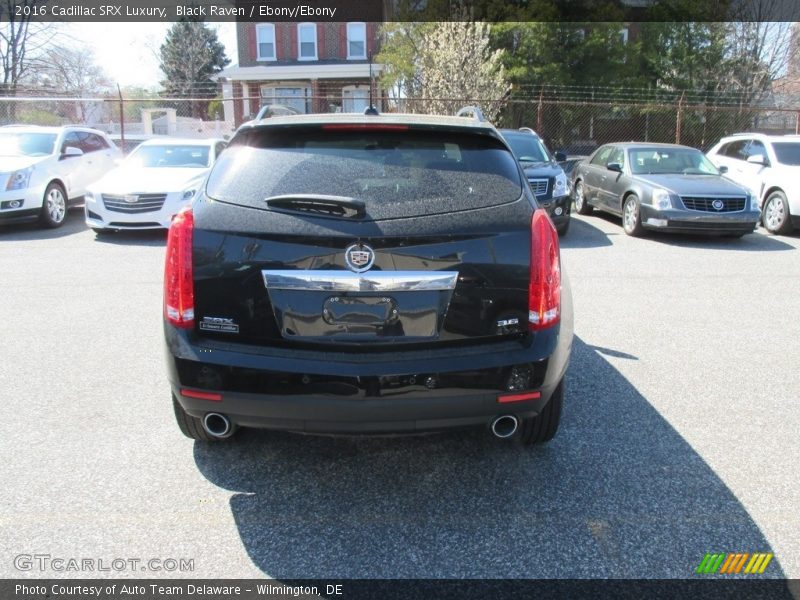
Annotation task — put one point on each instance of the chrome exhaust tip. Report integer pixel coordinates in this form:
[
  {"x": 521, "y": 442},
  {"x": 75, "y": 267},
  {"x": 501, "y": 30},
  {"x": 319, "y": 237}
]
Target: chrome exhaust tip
[
  {"x": 217, "y": 425},
  {"x": 505, "y": 426}
]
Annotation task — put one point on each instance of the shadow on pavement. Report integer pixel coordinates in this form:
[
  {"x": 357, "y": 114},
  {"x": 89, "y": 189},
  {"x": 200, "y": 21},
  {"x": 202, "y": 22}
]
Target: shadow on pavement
[
  {"x": 146, "y": 237},
  {"x": 618, "y": 493},
  {"x": 32, "y": 230},
  {"x": 584, "y": 235},
  {"x": 757, "y": 241}
]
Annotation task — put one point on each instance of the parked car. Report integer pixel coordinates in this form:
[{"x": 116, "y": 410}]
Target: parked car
[
  {"x": 663, "y": 187},
  {"x": 151, "y": 185},
  {"x": 545, "y": 176},
  {"x": 45, "y": 170},
  {"x": 345, "y": 273},
  {"x": 769, "y": 166},
  {"x": 130, "y": 142},
  {"x": 569, "y": 163},
  {"x": 275, "y": 110}
]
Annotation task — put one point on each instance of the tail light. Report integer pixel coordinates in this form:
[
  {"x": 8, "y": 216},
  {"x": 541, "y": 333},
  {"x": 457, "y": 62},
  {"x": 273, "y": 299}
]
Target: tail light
[
  {"x": 178, "y": 285},
  {"x": 544, "y": 291}
]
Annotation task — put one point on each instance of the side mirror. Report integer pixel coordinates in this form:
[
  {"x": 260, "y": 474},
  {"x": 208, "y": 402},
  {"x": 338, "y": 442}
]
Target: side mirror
[
  {"x": 723, "y": 169},
  {"x": 757, "y": 159},
  {"x": 614, "y": 166},
  {"x": 560, "y": 156},
  {"x": 71, "y": 152}
]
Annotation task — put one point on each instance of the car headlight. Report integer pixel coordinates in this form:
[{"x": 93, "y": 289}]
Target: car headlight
[
  {"x": 188, "y": 195},
  {"x": 561, "y": 186},
  {"x": 18, "y": 180},
  {"x": 753, "y": 201},
  {"x": 661, "y": 199},
  {"x": 88, "y": 197}
]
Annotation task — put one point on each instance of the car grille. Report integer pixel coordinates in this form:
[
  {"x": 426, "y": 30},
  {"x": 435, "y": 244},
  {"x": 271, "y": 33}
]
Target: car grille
[
  {"x": 706, "y": 204},
  {"x": 142, "y": 203},
  {"x": 539, "y": 186}
]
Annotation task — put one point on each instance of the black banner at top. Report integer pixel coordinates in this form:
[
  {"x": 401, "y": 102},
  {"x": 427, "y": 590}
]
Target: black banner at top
[{"x": 584, "y": 11}]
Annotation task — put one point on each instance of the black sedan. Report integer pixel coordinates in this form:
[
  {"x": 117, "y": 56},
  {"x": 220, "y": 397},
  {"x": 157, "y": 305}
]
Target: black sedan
[{"x": 662, "y": 187}]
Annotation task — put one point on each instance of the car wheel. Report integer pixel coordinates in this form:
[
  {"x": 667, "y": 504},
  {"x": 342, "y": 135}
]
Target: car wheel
[
  {"x": 543, "y": 427},
  {"x": 632, "y": 216},
  {"x": 563, "y": 228},
  {"x": 190, "y": 426},
  {"x": 54, "y": 206},
  {"x": 581, "y": 206},
  {"x": 776, "y": 216}
]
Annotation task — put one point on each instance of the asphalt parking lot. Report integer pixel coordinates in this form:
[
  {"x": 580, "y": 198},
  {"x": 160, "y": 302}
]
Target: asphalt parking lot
[{"x": 679, "y": 437}]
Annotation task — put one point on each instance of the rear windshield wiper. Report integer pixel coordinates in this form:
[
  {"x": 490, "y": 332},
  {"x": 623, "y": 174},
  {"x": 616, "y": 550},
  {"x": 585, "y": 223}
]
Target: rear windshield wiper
[{"x": 331, "y": 206}]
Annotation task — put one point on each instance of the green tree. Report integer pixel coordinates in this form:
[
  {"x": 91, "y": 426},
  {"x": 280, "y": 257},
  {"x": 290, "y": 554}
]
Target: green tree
[{"x": 190, "y": 56}]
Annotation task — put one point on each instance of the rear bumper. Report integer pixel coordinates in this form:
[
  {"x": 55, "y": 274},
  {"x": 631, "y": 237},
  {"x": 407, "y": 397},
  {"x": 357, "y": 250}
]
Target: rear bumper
[{"x": 366, "y": 392}]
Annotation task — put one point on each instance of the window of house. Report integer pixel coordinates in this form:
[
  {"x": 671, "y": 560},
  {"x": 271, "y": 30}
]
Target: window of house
[
  {"x": 355, "y": 99},
  {"x": 265, "y": 38},
  {"x": 297, "y": 98},
  {"x": 307, "y": 41},
  {"x": 356, "y": 40},
  {"x": 623, "y": 35}
]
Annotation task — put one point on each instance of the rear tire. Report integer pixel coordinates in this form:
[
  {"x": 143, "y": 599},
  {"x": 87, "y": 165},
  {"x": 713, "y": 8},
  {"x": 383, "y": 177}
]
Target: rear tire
[
  {"x": 190, "y": 426},
  {"x": 581, "y": 205},
  {"x": 54, "y": 206},
  {"x": 543, "y": 427}
]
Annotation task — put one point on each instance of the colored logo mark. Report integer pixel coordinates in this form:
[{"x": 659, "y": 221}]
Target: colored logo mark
[{"x": 735, "y": 562}]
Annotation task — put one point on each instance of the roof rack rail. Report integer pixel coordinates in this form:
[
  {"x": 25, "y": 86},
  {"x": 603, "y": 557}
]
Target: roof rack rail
[
  {"x": 473, "y": 111},
  {"x": 528, "y": 130}
]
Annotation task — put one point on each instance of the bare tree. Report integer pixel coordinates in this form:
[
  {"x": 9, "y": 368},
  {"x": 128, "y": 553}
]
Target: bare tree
[
  {"x": 22, "y": 42},
  {"x": 72, "y": 71}
]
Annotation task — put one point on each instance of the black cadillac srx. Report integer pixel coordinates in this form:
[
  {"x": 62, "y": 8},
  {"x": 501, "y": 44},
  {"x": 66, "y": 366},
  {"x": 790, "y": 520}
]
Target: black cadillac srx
[{"x": 366, "y": 274}]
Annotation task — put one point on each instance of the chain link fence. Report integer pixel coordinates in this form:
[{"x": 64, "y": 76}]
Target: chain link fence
[{"x": 573, "y": 126}]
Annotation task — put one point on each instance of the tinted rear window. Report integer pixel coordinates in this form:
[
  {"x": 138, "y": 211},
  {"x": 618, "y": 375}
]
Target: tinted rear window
[
  {"x": 787, "y": 153},
  {"x": 395, "y": 173}
]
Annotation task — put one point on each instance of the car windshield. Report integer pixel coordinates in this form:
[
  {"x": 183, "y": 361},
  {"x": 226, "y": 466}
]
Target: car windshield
[
  {"x": 169, "y": 155},
  {"x": 660, "y": 161},
  {"x": 394, "y": 172},
  {"x": 787, "y": 153},
  {"x": 526, "y": 147},
  {"x": 19, "y": 143}
]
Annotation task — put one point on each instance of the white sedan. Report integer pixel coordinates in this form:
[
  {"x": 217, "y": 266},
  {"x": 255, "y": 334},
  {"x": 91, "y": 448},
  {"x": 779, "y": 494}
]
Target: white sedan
[{"x": 151, "y": 185}]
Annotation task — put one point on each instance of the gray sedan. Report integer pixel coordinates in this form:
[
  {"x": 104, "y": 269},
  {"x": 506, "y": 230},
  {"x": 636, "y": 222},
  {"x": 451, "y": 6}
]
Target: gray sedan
[{"x": 662, "y": 187}]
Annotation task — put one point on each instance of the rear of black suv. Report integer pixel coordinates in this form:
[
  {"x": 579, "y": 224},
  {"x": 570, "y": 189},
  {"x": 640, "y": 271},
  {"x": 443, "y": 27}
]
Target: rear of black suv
[{"x": 348, "y": 274}]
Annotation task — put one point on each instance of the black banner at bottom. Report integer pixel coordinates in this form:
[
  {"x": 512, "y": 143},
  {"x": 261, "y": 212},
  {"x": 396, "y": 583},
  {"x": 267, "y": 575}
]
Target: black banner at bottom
[{"x": 390, "y": 589}]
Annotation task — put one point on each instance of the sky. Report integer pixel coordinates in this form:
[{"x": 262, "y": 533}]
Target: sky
[{"x": 128, "y": 52}]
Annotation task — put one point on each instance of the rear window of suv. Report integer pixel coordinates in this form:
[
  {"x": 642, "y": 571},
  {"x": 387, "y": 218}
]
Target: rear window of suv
[
  {"x": 787, "y": 153},
  {"x": 395, "y": 172}
]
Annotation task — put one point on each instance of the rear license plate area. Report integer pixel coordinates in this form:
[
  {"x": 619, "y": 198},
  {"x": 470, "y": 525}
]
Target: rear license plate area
[{"x": 376, "y": 312}]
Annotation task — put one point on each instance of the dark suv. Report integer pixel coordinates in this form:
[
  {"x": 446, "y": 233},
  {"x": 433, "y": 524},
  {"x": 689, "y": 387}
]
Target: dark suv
[
  {"x": 366, "y": 274},
  {"x": 546, "y": 177}
]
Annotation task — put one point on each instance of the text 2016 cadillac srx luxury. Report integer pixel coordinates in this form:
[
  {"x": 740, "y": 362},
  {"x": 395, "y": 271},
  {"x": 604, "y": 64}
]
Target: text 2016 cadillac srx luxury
[{"x": 366, "y": 274}]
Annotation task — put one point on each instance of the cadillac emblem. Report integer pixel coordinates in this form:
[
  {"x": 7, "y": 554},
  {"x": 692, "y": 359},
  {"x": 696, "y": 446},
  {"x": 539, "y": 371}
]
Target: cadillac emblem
[
  {"x": 130, "y": 199},
  {"x": 359, "y": 258},
  {"x": 718, "y": 204}
]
